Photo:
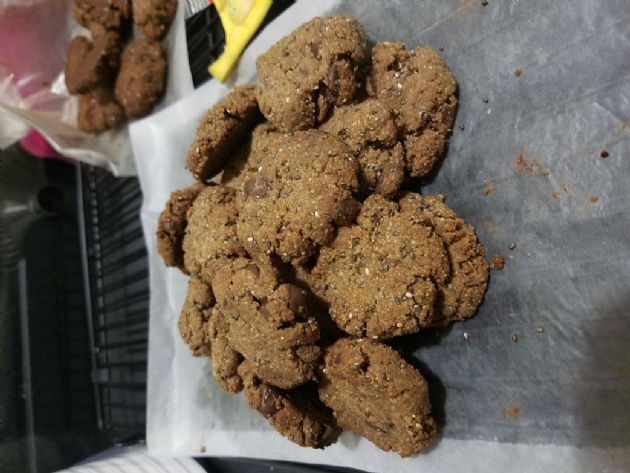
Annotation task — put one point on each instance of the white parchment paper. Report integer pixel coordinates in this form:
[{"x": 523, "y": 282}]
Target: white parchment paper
[{"x": 541, "y": 382}]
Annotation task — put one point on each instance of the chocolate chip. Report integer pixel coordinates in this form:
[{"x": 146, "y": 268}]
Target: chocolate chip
[
  {"x": 381, "y": 428},
  {"x": 333, "y": 76},
  {"x": 258, "y": 187},
  {"x": 297, "y": 300},
  {"x": 329, "y": 436},
  {"x": 268, "y": 398},
  {"x": 322, "y": 99},
  {"x": 252, "y": 268},
  {"x": 315, "y": 47}
]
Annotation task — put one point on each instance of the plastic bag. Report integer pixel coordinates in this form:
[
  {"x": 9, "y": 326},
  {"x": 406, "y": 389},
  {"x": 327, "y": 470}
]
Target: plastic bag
[{"x": 33, "y": 39}]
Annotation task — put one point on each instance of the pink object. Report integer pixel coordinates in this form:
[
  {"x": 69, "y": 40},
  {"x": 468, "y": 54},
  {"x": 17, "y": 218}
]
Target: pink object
[
  {"x": 36, "y": 144},
  {"x": 32, "y": 47},
  {"x": 33, "y": 42}
]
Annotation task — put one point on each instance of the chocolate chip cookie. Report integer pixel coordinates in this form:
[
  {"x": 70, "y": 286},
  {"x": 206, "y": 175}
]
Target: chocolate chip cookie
[
  {"x": 381, "y": 276},
  {"x": 373, "y": 391},
  {"x": 195, "y": 316},
  {"x": 297, "y": 190},
  {"x": 297, "y": 413},
  {"x": 172, "y": 225},
  {"x": 92, "y": 63},
  {"x": 225, "y": 360},
  {"x": 210, "y": 237},
  {"x": 110, "y": 14},
  {"x": 420, "y": 89},
  {"x": 153, "y": 17},
  {"x": 99, "y": 111},
  {"x": 304, "y": 74},
  {"x": 270, "y": 324},
  {"x": 369, "y": 130},
  {"x": 142, "y": 77},
  {"x": 463, "y": 292},
  {"x": 224, "y": 128}
]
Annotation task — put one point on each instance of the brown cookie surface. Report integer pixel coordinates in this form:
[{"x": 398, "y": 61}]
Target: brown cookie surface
[
  {"x": 210, "y": 237},
  {"x": 373, "y": 391},
  {"x": 91, "y": 63},
  {"x": 195, "y": 316},
  {"x": 142, "y": 77},
  {"x": 420, "y": 89},
  {"x": 270, "y": 324},
  {"x": 369, "y": 130},
  {"x": 110, "y": 14},
  {"x": 380, "y": 277},
  {"x": 235, "y": 167},
  {"x": 297, "y": 413},
  {"x": 304, "y": 74},
  {"x": 99, "y": 111},
  {"x": 224, "y": 128},
  {"x": 225, "y": 360},
  {"x": 297, "y": 190},
  {"x": 153, "y": 17},
  {"x": 463, "y": 292},
  {"x": 172, "y": 225}
]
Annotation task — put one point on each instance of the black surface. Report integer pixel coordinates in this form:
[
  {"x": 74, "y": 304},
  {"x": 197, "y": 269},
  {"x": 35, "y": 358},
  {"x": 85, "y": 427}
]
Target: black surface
[
  {"x": 48, "y": 416},
  {"x": 72, "y": 263},
  {"x": 205, "y": 38},
  {"x": 238, "y": 465}
]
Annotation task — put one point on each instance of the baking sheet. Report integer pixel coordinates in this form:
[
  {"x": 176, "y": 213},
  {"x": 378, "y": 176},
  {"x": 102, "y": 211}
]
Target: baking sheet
[{"x": 541, "y": 376}]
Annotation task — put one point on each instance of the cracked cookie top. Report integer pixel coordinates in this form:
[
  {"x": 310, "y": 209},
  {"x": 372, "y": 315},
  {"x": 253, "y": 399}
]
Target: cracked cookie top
[{"x": 304, "y": 74}]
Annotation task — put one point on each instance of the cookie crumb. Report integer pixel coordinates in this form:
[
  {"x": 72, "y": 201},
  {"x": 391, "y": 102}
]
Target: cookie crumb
[
  {"x": 440, "y": 48},
  {"x": 202, "y": 449},
  {"x": 594, "y": 198},
  {"x": 511, "y": 411},
  {"x": 540, "y": 329},
  {"x": 466, "y": 336},
  {"x": 604, "y": 154},
  {"x": 555, "y": 195},
  {"x": 489, "y": 189},
  {"x": 523, "y": 166},
  {"x": 498, "y": 262},
  {"x": 485, "y": 100},
  {"x": 515, "y": 338},
  {"x": 512, "y": 245},
  {"x": 517, "y": 72}
]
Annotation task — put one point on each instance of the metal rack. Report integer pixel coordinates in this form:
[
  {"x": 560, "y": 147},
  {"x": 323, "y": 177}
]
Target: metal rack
[
  {"x": 74, "y": 303},
  {"x": 116, "y": 291}
]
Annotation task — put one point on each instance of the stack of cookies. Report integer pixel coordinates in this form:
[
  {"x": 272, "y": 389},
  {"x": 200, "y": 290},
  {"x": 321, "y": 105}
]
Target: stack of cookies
[
  {"x": 115, "y": 81},
  {"x": 305, "y": 249}
]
